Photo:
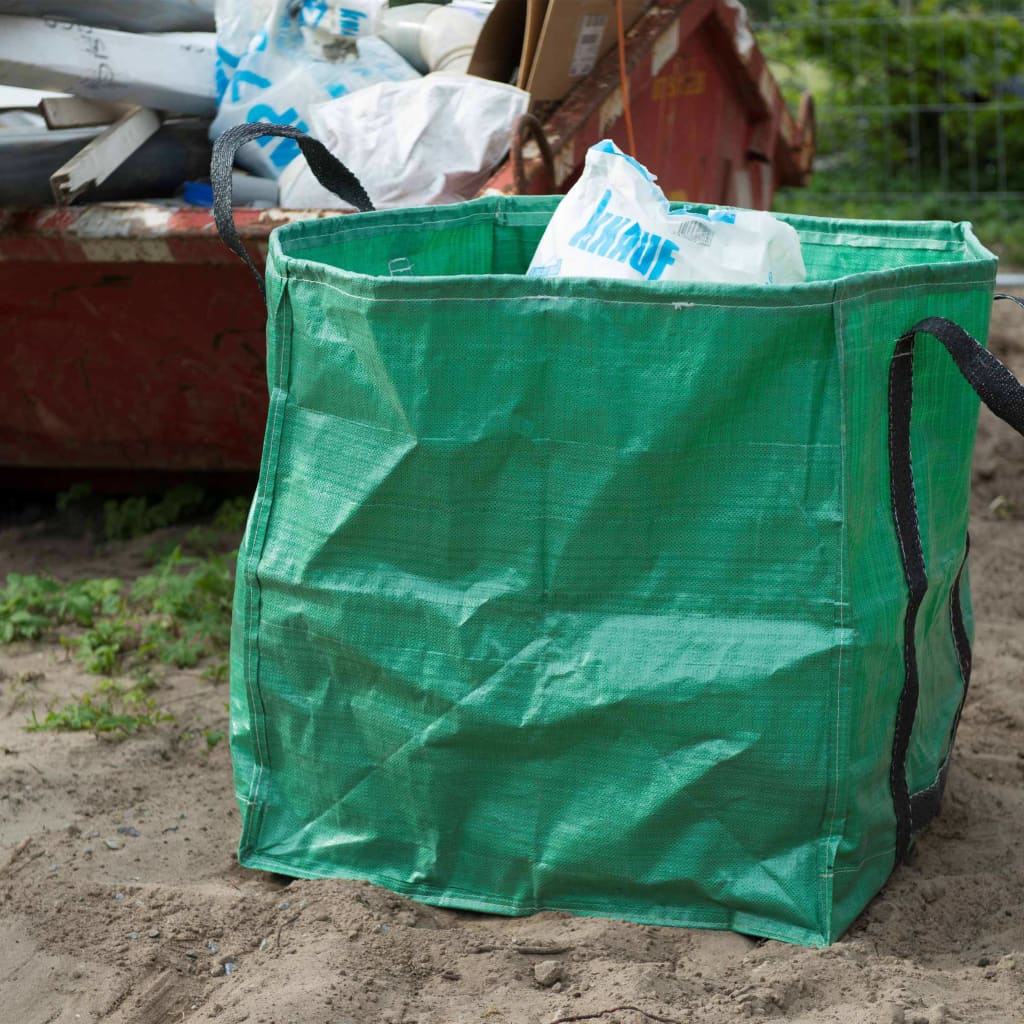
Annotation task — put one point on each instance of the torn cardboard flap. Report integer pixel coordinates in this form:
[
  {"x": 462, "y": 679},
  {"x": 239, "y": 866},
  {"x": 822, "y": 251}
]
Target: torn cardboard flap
[
  {"x": 575, "y": 35},
  {"x": 498, "y": 48},
  {"x": 535, "y": 11}
]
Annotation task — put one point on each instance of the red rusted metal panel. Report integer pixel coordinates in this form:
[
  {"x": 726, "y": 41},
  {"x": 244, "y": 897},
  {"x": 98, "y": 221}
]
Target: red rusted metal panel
[
  {"x": 132, "y": 340},
  {"x": 708, "y": 116},
  {"x": 147, "y": 365},
  {"x": 135, "y": 341}
]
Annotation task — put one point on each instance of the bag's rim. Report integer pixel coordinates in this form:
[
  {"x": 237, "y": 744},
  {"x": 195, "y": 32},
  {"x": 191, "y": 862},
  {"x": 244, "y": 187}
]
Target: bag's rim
[{"x": 286, "y": 243}]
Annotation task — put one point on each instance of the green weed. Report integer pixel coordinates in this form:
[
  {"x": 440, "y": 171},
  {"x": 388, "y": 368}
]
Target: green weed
[
  {"x": 231, "y": 515},
  {"x": 99, "y": 649},
  {"x": 213, "y": 737},
  {"x": 218, "y": 672},
  {"x": 136, "y": 516},
  {"x": 227, "y": 523},
  {"x": 144, "y": 678},
  {"x": 108, "y": 708},
  {"x": 176, "y": 616},
  {"x": 182, "y": 609},
  {"x": 33, "y": 605},
  {"x": 74, "y": 497},
  {"x": 193, "y": 597}
]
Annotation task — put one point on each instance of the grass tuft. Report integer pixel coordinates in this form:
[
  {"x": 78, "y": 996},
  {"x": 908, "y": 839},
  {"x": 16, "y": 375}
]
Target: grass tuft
[{"x": 108, "y": 708}]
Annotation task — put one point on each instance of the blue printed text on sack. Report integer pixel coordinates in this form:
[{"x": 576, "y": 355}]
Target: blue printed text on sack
[{"x": 622, "y": 239}]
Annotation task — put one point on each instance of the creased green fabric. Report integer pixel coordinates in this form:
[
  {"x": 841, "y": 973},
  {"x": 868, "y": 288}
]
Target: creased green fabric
[{"x": 585, "y": 595}]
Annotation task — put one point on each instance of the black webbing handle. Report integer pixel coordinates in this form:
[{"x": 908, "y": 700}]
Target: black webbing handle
[
  {"x": 328, "y": 170},
  {"x": 1004, "y": 395}
]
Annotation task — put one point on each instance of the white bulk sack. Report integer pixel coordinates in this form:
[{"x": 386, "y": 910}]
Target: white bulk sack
[{"x": 616, "y": 222}]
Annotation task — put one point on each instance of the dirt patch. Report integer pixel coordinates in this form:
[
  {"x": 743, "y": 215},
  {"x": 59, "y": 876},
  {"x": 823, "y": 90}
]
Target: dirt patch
[{"x": 122, "y": 902}]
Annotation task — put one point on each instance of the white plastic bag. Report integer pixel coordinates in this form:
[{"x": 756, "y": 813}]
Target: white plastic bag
[
  {"x": 430, "y": 141},
  {"x": 616, "y": 222},
  {"x": 266, "y": 72},
  {"x": 326, "y": 19}
]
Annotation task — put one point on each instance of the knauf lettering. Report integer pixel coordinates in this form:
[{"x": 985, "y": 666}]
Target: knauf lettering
[{"x": 606, "y": 234}]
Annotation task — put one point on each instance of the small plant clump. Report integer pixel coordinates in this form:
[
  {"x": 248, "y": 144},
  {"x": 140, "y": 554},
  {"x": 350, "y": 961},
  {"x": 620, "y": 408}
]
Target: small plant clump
[
  {"x": 108, "y": 708},
  {"x": 230, "y": 517},
  {"x": 213, "y": 737},
  {"x": 177, "y": 615},
  {"x": 136, "y": 516},
  {"x": 99, "y": 648},
  {"x": 33, "y": 605}
]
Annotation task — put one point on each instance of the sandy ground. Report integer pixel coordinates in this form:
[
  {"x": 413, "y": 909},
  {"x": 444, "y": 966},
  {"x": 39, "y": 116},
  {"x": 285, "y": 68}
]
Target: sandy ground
[{"x": 100, "y": 923}]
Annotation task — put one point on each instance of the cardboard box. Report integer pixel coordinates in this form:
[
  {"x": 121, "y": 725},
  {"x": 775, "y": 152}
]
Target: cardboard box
[
  {"x": 173, "y": 73},
  {"x": 498, "y": 50},
  {"x": 574, "y": 36},
  {"x": 535, "y": 12}
]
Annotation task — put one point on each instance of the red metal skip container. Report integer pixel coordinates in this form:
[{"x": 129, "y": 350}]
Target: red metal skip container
[{"x": 135, "y": 341}]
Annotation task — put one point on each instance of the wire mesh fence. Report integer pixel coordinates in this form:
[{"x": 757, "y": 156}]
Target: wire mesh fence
[{"x": 923, "y": 112}]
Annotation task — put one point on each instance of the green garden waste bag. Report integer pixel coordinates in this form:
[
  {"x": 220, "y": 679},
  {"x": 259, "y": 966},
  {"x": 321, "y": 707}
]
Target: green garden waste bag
[{"x": 647, "y": 601}]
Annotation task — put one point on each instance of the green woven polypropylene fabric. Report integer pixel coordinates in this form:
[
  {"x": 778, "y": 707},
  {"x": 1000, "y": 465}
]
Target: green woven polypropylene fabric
[{"x": 585, "y": 595}]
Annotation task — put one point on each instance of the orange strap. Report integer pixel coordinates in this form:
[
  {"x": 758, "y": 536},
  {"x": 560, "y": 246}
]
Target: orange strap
[{"x": 624, "y": 81}]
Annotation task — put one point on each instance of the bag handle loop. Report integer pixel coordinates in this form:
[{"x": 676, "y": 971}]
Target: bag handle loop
[
  {"x": 332, "y": 174},
  {"x": 997, "y": 387}
]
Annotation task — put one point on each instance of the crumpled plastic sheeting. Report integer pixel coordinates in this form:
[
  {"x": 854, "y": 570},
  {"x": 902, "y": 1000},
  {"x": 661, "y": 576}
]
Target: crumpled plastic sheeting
[
  {"x": 416, "y": 143},
  {"x": 267, "y": 71}
]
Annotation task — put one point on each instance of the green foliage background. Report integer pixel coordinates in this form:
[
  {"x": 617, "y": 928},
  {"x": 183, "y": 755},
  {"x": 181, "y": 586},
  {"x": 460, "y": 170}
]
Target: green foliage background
[{"x": 876, "y": 67}]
